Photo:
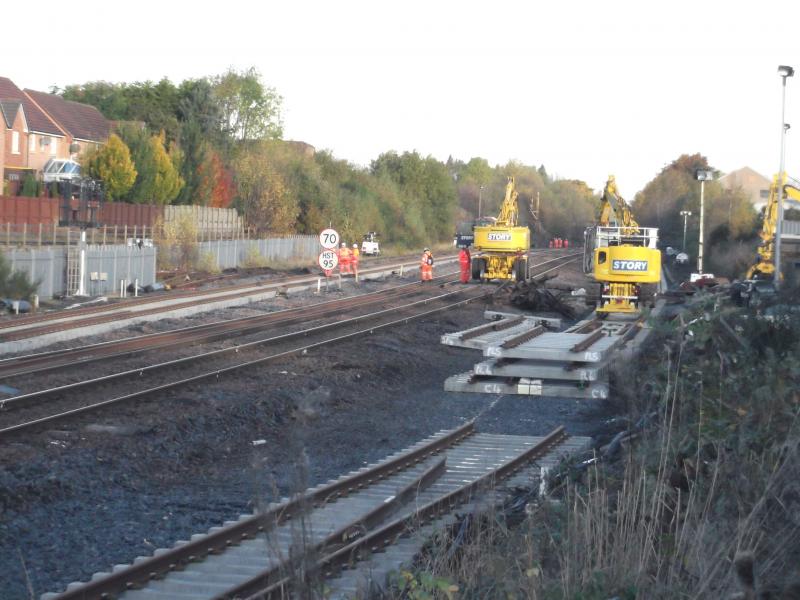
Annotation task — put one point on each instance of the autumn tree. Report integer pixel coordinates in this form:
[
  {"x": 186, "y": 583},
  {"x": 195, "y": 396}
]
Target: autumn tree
[
  {"x": 217, "y": 179},
  {"x": 112, "y": 164},
  {"x": 262, "y": 193},
  {"x": 728, "y": 213}
]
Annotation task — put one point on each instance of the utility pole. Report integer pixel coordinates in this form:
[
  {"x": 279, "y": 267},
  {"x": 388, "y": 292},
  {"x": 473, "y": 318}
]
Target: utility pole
[
  {"x": 784, "y": 72},
  {"x": 685, "y": 214},
  {"x": 480, "y": 197},
  {"x": 702, "y": 175}
]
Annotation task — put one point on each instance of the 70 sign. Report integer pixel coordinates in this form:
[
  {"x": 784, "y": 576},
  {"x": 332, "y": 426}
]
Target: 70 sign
[{"x": 329, "y": 239}]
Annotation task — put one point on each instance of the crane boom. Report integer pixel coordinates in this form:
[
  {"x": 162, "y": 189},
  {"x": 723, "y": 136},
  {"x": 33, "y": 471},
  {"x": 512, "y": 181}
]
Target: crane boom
[
  {"x": 614, "y": 211},
  {"x": 780, "y": 189},
  {"x": 509, "y": 210}
]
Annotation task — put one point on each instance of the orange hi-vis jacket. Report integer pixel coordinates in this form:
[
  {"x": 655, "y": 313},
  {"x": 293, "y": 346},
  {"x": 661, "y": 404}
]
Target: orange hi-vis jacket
[{"x": 426, "y": 266}]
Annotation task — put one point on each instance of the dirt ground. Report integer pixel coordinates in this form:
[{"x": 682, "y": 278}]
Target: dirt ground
[{"x": 119, "y": 484}]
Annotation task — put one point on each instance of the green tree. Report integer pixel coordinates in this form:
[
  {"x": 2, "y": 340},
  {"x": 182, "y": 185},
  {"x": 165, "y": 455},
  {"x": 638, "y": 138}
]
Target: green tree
[
  {"x": 249, "y": 110},
  {"x": 112, "y": 164},
  {"x": 167, "y": 182},
  {"x": 262, "y": 192}
]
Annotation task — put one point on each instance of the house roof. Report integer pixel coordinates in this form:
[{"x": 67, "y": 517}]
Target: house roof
[
  {"x": 9, "y": 110},
  {"x": 81, "y": 121},
  {"x": 38, "y": 121}
]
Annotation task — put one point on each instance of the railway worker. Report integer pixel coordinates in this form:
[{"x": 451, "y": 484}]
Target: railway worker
[
  {"x": 356, "y": 254},
  {"x": 566, "y": 243},
  {"x": 464, "y": 261},
  {"x": 344, "y": 259},
  {"x": 551, "y": 243},
  {"x": 426, "y": 265}
]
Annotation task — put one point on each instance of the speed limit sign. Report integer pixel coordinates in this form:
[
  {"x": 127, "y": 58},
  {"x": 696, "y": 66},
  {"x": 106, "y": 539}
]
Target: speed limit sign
[
  {"x": 328, "y": 259},
  {"x": 329, "y": 239}
]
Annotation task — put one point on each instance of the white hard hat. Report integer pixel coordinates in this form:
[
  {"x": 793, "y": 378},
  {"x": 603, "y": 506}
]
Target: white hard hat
[
  {"x": 343, "y": 244},
  {"x": 355, "y": 245}
]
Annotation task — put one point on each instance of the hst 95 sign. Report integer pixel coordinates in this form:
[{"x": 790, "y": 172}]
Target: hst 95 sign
[
  {"x": 630, "y": 266},
  {"x": 499, "y": 236}
]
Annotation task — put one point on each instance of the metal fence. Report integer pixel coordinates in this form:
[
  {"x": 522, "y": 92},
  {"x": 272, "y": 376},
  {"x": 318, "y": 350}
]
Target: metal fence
[
  {"x": 230, "y": 254},
  {"x": 105, "y": 267}
]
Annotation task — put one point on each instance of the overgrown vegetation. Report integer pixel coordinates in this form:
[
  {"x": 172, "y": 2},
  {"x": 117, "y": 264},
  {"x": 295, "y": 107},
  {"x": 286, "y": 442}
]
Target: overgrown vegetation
[
  {"x": 177, "y": 243},
  {"x": 703, "y": 498},
  {"x": 15, "y": 285}
]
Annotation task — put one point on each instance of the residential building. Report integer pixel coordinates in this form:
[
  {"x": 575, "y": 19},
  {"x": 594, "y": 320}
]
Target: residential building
[
  {"x": 753, "y": 184},
  {"x": 38, "y": 126},
  {"x": 84, "y": 125},
  {"x": 38, "y": 137}
]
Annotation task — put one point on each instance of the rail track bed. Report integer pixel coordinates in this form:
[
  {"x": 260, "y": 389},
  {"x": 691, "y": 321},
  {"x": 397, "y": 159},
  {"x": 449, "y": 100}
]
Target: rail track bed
[
  {"x": 350, "y": 523},
  {"x": 99, "y": 489},
  {"x": 51, "y": 405},
  {"x": 33, "y": 331}
]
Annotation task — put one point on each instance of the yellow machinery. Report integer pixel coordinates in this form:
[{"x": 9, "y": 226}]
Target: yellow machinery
[
  {"x": 765, "y": 267},
  {"x": 502, "y": 247},
  {"x": 759, "y": 282},
  {"x": 621, "y": 255}
]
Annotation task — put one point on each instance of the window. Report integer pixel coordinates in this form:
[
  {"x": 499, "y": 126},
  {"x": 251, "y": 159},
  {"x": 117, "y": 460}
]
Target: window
[
  {"x": 32, "y": 143},
  {"x": 15, "y": 142},
  {"x": 53, "y": 146}
]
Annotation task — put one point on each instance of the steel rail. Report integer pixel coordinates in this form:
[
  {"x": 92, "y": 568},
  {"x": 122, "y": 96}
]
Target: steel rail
[
  {"x": 24, "y": 399},
  {"x": 7, "y": 431},
  {"x": 27, "y": 398},
  {"x": 110, "y": 318},
  {"x": 259, "y": 587},
  {"x": 219, "y": 293},
  {"x": 343, "y": 536},
  {"x": 89, "y": 310},
  {"x": 54, "y": 359},
  {"x": 156, "y": 566}
]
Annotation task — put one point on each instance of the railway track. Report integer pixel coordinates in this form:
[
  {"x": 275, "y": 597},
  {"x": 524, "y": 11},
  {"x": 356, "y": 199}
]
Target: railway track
[
  {"x": 196, "y": 334},
  {"x": 41, "y": 324},
  {"x": 46, "y": 361},
  {"x": 324, "y": 535},
  {"x": 27, "y": 411}
]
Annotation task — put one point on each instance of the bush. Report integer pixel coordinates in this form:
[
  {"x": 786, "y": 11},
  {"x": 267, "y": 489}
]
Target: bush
[
  {"x": 177, "y": 243},
  {"x": 15, "y": 285},
  {"x": 30, "y": 187}
]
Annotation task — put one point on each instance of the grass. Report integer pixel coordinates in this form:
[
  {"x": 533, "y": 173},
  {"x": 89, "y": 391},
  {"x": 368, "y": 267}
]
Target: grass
[{"x": 703, "y": 501}]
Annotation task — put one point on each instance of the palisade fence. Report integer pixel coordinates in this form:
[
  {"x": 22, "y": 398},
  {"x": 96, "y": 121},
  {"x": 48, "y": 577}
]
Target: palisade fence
[
  {"x": 106, "y": 266},
  {"x": 230, "y": 254}
]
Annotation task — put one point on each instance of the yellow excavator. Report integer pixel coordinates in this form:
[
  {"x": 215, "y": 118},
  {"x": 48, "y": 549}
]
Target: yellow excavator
[
  {"x": 502, "y": 247},
  {"x": 760, "y": 277},
  {"x": 621, "y": 255}
]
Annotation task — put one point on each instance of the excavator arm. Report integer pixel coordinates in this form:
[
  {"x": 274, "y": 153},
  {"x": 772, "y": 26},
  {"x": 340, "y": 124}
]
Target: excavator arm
[
  {"x": 509, "y": 210},
  {"x": 614, "y": 211},
  {"x": 780, "y": 189}
]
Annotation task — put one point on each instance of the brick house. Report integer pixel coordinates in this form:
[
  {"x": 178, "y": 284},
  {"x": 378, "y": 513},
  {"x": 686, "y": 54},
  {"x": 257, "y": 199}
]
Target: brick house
[
  {"x": 38, "y": 126},
  {"x": 30, "y": 143},
  {"x": 84, "y": 125},
  {"x": 14, "y": 138},
  {"x": 752, "y": 183}
]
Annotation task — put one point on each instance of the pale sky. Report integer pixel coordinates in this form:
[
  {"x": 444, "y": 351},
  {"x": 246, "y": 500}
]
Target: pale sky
[{"x": 586, "y": 88}]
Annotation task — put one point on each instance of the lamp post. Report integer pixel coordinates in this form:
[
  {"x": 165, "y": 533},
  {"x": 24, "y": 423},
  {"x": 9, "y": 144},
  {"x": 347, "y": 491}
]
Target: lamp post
[
  {"x": 702, "y": 175},
  {"x": 685, "y": 214},
  {"x": 480, "y": 197},
  {"x": 784, "y": 72}
]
